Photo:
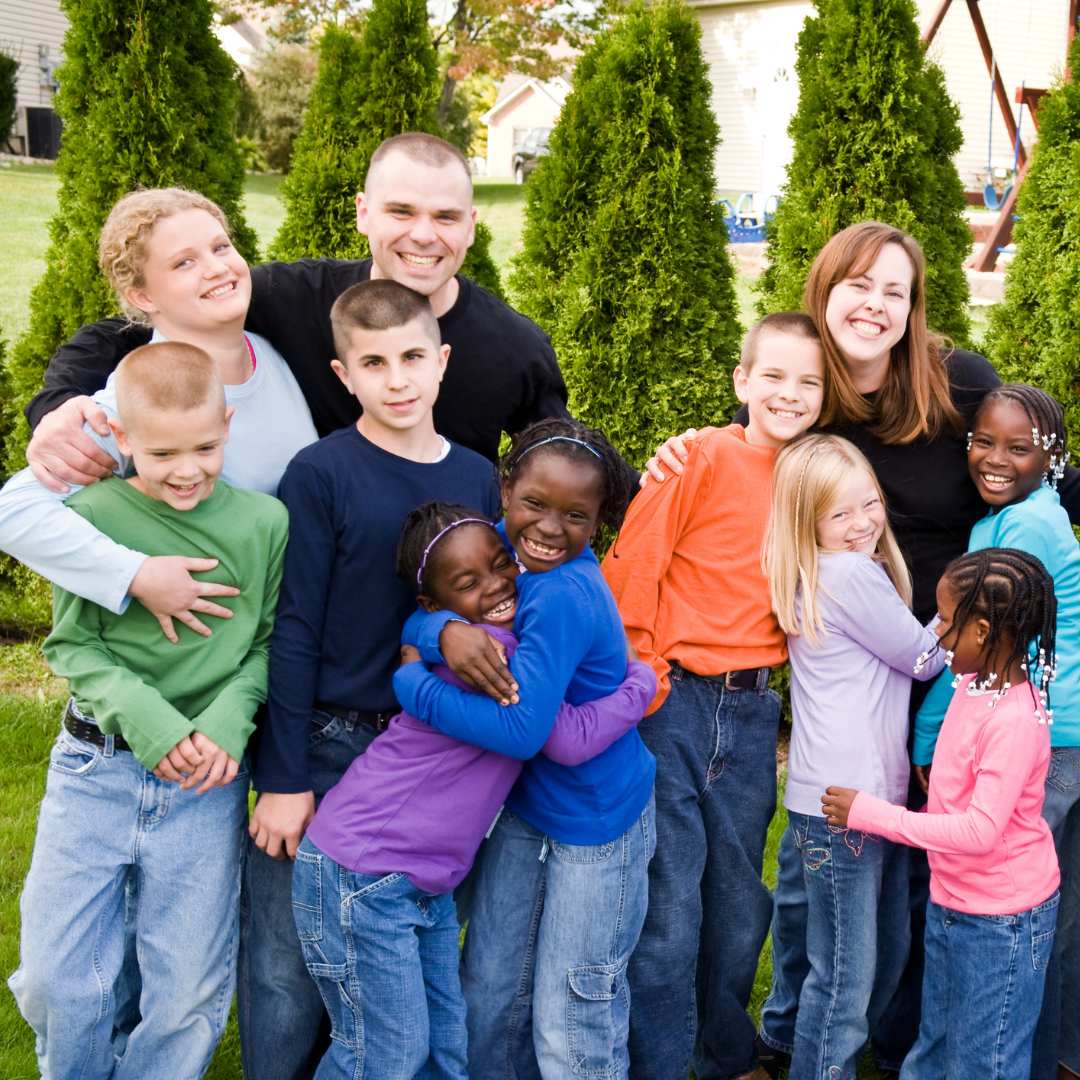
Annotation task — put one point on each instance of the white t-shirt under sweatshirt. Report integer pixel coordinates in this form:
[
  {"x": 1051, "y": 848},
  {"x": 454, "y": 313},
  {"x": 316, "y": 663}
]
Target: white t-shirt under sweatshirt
[{"x": 271, "y": 423}]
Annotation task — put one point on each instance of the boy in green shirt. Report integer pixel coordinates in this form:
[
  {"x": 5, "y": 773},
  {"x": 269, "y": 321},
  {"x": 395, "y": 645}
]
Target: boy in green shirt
[{"x": 141, "y": 779}]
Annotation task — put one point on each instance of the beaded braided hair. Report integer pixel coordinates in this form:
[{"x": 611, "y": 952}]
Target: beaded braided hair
[
  {"x": 1047, "y": 419},
  {"x": 1014, "y": 593},
  {"x": 418, "y": 551},
  {"x": 582, "y": 445}
]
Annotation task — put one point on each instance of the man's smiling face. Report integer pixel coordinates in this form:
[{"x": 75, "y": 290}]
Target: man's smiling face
[{"x": 420, "y": 222}]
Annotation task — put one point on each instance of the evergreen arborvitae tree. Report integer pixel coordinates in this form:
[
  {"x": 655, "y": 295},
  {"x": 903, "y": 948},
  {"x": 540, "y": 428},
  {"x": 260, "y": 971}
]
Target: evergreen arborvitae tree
[
  {"x": 368, "y": 89},
  {"x": 1034, "y": 333},
  {"x": 624, "y": 255},
  {"x": 874, "y": 134},
  {"x": 146, "y": 95}
]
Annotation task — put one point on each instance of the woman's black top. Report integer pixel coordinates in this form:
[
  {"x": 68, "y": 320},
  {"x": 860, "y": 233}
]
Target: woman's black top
[{"x": 932, "y": 501}]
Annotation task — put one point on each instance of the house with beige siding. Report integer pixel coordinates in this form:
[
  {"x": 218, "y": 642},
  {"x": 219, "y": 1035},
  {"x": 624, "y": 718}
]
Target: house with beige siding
[
  {"x": 32, "y": 31},
  {"x": 751, "y": 49}
]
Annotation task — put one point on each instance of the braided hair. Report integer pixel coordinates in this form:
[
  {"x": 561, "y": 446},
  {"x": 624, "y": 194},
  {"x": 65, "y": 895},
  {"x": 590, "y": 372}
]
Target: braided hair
[
  {"x": 1014, "y": 593},
  {"x": 1047, "y": 419},
  {"x": 582, "y": 445},
  {"x": 419, "y": 529}
]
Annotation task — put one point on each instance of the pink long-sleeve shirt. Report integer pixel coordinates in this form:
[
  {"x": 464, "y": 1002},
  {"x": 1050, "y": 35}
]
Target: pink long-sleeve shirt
[{"x": 990, "y": 851}]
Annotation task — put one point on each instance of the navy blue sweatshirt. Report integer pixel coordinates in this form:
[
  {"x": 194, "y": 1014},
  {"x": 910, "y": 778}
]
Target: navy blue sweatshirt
[{"x": 342, "y": 607}]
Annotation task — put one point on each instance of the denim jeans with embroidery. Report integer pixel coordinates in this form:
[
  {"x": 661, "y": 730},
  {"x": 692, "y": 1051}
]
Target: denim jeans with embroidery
[
  {"x": 840, "y": 941},
  {"x": 982, "y": 991}
]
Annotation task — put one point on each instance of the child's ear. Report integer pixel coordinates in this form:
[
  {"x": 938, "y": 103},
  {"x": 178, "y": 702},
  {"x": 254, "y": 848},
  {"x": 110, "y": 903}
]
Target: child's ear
[
  {"x": 740, "y": 377},
  {"x": 427, "y": 603},
  {"x": 123, "y": 444},
  {"x": 342, "y": 373},
  {"x": 444, "y": 356},
  {"x": 138, "y": 298},
  {"x": 506, "y": 487},
  {"x": 228, "y": 420},
  {"x": 982, "y": 628}
]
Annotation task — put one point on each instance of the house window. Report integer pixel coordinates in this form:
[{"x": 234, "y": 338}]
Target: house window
[{"x": 519, "y": 135}]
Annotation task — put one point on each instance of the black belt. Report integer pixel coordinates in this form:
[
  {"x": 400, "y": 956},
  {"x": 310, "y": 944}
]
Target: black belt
[
  {"x": 88, "y": 731},
  {"x": 746, "y": 679},
  {"x": 378, "y": 720}
]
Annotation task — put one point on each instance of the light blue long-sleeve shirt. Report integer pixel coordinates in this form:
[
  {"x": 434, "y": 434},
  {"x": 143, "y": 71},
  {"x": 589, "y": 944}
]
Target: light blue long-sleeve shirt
[
  {"x": 1040, "y": 526},
  {"x": 271, "y": 423}
]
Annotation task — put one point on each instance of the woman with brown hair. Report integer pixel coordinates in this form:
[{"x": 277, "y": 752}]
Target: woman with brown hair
[{"x": 906, "y": 399}]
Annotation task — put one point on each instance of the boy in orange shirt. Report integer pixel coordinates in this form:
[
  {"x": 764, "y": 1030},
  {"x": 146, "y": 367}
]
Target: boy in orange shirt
[{"x": 686, "y": 573}]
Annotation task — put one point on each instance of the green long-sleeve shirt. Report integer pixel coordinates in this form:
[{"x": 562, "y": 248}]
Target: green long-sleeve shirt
[{"x": 125, "y": 673}]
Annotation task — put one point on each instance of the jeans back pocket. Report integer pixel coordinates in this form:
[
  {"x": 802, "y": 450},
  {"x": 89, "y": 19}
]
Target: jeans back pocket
[{"x": 1043, "y": 927}]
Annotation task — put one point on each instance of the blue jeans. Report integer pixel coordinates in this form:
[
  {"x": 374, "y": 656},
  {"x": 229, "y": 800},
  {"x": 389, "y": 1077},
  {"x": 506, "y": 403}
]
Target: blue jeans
[
  {"x": 544, "y": 966},
  {"x": 1057, "y": 1036},
  {"x": 384, "y": 955},
  {"x": 279, "y": 1007},
  {"x": 715, "y": 796},
  {"x": 102, "y": 814},
  {"x": 840, "y": 941},
  {"x": 982, "y": 991}
]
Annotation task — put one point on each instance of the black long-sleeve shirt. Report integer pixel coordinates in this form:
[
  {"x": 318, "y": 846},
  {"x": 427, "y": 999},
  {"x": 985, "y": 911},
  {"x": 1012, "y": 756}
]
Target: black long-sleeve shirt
[
  {"x": 932, "y": 501},
  {"x": 502, "y": 374}
]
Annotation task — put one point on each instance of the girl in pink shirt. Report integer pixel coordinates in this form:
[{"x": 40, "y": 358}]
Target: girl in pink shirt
[{"x": 994, "y": 876}]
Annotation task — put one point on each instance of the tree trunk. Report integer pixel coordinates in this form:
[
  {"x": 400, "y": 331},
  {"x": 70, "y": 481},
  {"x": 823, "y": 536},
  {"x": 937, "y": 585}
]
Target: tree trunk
[{"x": 446, "y": 96}]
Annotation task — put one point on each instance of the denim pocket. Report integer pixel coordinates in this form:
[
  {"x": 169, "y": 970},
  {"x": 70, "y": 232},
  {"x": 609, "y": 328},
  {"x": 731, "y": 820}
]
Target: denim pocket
[
  {"x": 591, "y": 1018},
  {"x": 1064, "y": 771},
  {"x": 1043, "y": 926},
  {"x": 73, "y": 756},
  {"x": 307, "y": 894},
  {"x": 582, "y": 853},
  {"x": 324, "y": 726}
]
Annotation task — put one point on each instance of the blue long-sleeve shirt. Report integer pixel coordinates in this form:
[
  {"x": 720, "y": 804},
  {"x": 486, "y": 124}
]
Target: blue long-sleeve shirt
[
  {"x": 1040, "y": 526},
  {"x": 338, "y": 629},
  {"x": 572, "y": 647}
]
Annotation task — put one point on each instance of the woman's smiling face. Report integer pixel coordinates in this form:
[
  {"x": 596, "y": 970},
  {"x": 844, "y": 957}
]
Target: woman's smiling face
[
  {"x": 867, "y": 315},
  {"x": 551, "y": 505}
]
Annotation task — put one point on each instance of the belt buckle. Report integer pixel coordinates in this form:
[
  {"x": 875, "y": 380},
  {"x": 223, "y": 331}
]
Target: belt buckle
[{"x": 728, "y": 685}]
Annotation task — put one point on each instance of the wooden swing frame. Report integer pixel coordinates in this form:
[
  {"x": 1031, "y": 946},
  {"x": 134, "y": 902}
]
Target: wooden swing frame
[{"x": 986, "y": 257}]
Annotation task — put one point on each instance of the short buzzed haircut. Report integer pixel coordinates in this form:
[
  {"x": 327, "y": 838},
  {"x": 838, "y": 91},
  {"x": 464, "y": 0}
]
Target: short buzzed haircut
[
  {"x": 167, "y": 376},
  {"x": 379, "y": 305},
  {"x": 421, "y": 148},
  {"x": 794, "y": 323}
]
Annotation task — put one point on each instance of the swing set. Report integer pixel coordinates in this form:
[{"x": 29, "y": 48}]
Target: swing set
[{"x": 1005, "y": 203}]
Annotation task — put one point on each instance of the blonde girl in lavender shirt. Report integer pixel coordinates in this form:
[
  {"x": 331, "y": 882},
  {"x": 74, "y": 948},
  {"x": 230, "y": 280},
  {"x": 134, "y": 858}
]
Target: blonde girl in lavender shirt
[{"x": 842, "y": 592}]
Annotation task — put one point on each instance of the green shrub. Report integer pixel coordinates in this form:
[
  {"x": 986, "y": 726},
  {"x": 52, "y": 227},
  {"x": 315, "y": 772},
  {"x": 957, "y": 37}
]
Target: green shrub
[
  {"x": 1034, "y": 333},
  {"x": 624, "y": 259},
  {"x": 146, "y": 95},
  {"x": 283, "y": 78},
  {"x": 368, "y": 89},
  {"x": 874, "y": 137},
  {"x": 9, "y": 70}
]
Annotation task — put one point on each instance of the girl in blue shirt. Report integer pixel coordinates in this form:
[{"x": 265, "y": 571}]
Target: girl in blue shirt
[
  {"x": 561, "y": 885},
  {"x": 1017, "y": 452}
]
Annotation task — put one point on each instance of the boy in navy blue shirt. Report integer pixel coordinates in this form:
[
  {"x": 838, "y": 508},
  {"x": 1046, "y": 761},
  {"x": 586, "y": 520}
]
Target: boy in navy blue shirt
[{"x": 338, "y": 630}]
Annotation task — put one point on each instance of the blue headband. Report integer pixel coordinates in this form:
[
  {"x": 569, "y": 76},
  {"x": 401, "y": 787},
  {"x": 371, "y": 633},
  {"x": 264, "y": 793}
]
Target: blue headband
[{"x": 563, "y": 438}]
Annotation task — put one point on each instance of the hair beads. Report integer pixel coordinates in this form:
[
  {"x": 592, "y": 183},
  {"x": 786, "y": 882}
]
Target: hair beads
[
  {"x": 1012, "y": 591},
  {"x": 1045, "y": 414}
]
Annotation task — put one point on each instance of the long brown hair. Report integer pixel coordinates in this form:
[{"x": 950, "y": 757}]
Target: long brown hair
[{"x": 915, "y": 398}]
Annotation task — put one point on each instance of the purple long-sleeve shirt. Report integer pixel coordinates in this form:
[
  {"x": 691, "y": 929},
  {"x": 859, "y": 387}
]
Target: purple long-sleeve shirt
[{"x": 419, "y": 802}]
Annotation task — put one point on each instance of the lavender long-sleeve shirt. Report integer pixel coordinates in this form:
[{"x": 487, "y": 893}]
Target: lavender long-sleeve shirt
[
  {"x": 419, "y": 802},
  {"x": 850, "y": 693}
]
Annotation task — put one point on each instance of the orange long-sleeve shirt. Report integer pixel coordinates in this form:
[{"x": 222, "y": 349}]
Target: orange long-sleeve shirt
[{"x": 686, "y": 567}]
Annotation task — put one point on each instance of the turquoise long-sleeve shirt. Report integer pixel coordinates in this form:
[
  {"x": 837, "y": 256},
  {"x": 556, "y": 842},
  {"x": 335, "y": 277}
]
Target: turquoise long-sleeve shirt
[{"x": 1040, "y": 526}]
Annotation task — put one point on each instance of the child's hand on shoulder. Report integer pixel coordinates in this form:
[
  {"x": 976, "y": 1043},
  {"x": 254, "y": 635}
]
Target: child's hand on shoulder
[
  {"x": 409, "y": 655},
  {"x": 835, "y": 804}
]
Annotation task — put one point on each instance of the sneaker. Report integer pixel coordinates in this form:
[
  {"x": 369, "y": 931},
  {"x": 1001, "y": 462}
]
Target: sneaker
[{"x": 769, "y": 1060}]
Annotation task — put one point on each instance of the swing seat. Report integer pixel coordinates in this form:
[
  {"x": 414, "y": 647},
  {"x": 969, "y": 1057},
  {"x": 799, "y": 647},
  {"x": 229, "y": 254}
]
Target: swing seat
[{"x": 991, "y": 198}]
